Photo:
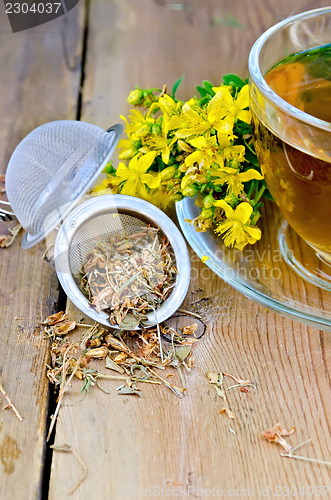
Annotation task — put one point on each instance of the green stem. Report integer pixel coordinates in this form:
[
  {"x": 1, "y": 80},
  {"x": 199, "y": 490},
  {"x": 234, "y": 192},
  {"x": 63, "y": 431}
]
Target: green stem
[
  {"x": 248, "y": 146},
  {"x": 251, "y": 189},
  {"x": 259, "y": 193}
]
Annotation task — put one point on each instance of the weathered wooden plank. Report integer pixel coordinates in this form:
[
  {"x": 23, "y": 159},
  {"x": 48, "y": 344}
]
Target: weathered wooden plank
[
  {"x": 40, "y": 77},
  {"x": 131, "y": 444}
]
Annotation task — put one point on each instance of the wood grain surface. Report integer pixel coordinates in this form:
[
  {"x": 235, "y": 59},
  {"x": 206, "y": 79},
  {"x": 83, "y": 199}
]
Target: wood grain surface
[
  {"x": 40, "y": 76},
  {"x": 130, "y": 444},
  {"x": 158, "y": 441}
]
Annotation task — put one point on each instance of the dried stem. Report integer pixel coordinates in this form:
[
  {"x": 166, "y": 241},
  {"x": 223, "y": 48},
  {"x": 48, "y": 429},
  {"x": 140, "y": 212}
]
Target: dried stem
[
  {"x": 291, "y": 454},
  {"x": 65, "y": 386},
  {"x": 240, "y": 385},
  {"x": 306, "y": 459},
  {"x": 10, "y": 404},
  {"x": 190, "y": 313},
  {"x": 84, "y": 472},
  {"x": 66, "y": 448}
]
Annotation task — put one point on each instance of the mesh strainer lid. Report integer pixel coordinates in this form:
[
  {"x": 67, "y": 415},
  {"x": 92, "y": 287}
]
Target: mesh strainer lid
[{"x": 51, "y": 169}]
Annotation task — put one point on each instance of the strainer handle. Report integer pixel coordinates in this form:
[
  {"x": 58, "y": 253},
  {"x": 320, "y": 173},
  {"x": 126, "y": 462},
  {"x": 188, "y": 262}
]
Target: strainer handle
[
  {"x": 118, "y": 128},
  {"x": 5, "y": 214}
]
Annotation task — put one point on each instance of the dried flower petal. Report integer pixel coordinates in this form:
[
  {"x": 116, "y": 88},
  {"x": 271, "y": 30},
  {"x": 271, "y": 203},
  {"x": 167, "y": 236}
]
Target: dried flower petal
[
  {"x": 120, "y": 357},
  {"x": 64, "y": 327},
  {"x": 3, "y": 240},
  {"x": 98, "y": 352},
  {"x": 229, "y": 413},
  {"x": 213, "y": 377},
  {"x": 55, "y": 318},
  {"x": 238, "y": 380},
  {"x": 274, "y": 435},
  {"x": 190, "y": 330}
]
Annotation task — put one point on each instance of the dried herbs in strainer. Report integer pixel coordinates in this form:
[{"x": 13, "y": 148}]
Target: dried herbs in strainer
[{"x": 129, "y": 276}]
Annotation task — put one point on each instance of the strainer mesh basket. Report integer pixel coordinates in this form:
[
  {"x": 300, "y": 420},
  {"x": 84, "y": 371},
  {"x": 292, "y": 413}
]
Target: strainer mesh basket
[
  {"x": 98, "y": 220},
  {"x": 100, "y": 228}
]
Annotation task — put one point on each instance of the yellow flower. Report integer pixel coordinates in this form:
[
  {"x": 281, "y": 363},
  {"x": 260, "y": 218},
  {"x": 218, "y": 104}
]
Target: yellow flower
[
  {"x": 234, "y": 178},
  {"x": 207, "y": 152},
  {"x": 105, "y": 186},
  {"x": 137, "y": 120},
  {"x": 236, "y": 229},
  {"x": 135, "y": 177},
  {"x": 221, "y": 87},
  {"x": 223, "y": 109},
  {"x": 158, "y": 197},
  {"x": 161, "y": 143},
  {"x": 194, "y": 121},
  {"x": 235, "y": 153},
  {"x": 127, "y": 150}
]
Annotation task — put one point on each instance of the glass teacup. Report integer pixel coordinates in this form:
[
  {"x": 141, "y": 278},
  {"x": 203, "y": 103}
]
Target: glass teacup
[{"x": 290, "y": 100}]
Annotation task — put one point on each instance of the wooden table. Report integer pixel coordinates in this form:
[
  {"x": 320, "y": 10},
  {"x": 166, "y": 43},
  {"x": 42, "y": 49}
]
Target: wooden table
[{"x": 82, "y": 66}]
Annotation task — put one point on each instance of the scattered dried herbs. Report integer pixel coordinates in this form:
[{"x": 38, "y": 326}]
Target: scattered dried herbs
[
  {"x": 276, "y": 435},
  {"x": 7, "y": 240},
  {"x": 129, "y": 276},
  {"x": 136, "y": 357},
  {"x": 216, "y": 380}
]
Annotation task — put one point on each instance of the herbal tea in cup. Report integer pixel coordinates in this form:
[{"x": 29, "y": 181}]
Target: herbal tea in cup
[{"x": 290, "y": 99}]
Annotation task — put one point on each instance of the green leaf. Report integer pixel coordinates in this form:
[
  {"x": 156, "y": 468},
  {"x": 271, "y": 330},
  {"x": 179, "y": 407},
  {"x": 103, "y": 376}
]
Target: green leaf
[
  {"x": 251, "y": 158},
  {"x": 160, "y": 163},
  {"x": 267, "y": 195},
  {"x": 204, "y": 100},
  {"x": 176, "y": 85},
  {"x": 202, "y": 91},
  {"x": 109, "y": 169},
  {"x": 233, "y": 80},
  {"x": 209, "y": 87}
]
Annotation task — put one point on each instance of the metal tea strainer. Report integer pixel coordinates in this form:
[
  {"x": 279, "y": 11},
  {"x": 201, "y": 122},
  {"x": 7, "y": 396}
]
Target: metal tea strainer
[
  {"x": 48, "y": 173},
  {"x": 97, "y": 220}
]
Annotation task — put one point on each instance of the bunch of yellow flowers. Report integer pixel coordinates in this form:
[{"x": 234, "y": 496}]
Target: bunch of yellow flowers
[{"x": 200, "y": 148}]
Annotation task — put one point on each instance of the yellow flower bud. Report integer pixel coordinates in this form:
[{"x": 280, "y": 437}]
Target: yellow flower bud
[
  {"x": 231, "y": 199},
  {"x": 142, "y": 131},
  {"x": 179, "y": 106},
  {"x": 184, "y": 146},
  {"x": 190, "y": 191},
  {"x": 176, "y": 197},
  {"x": 186, "y": 180},
  {"x": 135, "y": 97},
  {"x": 168, "y": 173},
  {"x": 206, "y": 213},
  {"x": 156, "y": 129},
  {"x": 127, "y": 154},
  {"x": 208, "y": 201},
  {"x": 167, "y": 104}
]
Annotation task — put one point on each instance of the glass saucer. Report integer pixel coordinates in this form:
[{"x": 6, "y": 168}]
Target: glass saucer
[{"x": 259, "y": 271}]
